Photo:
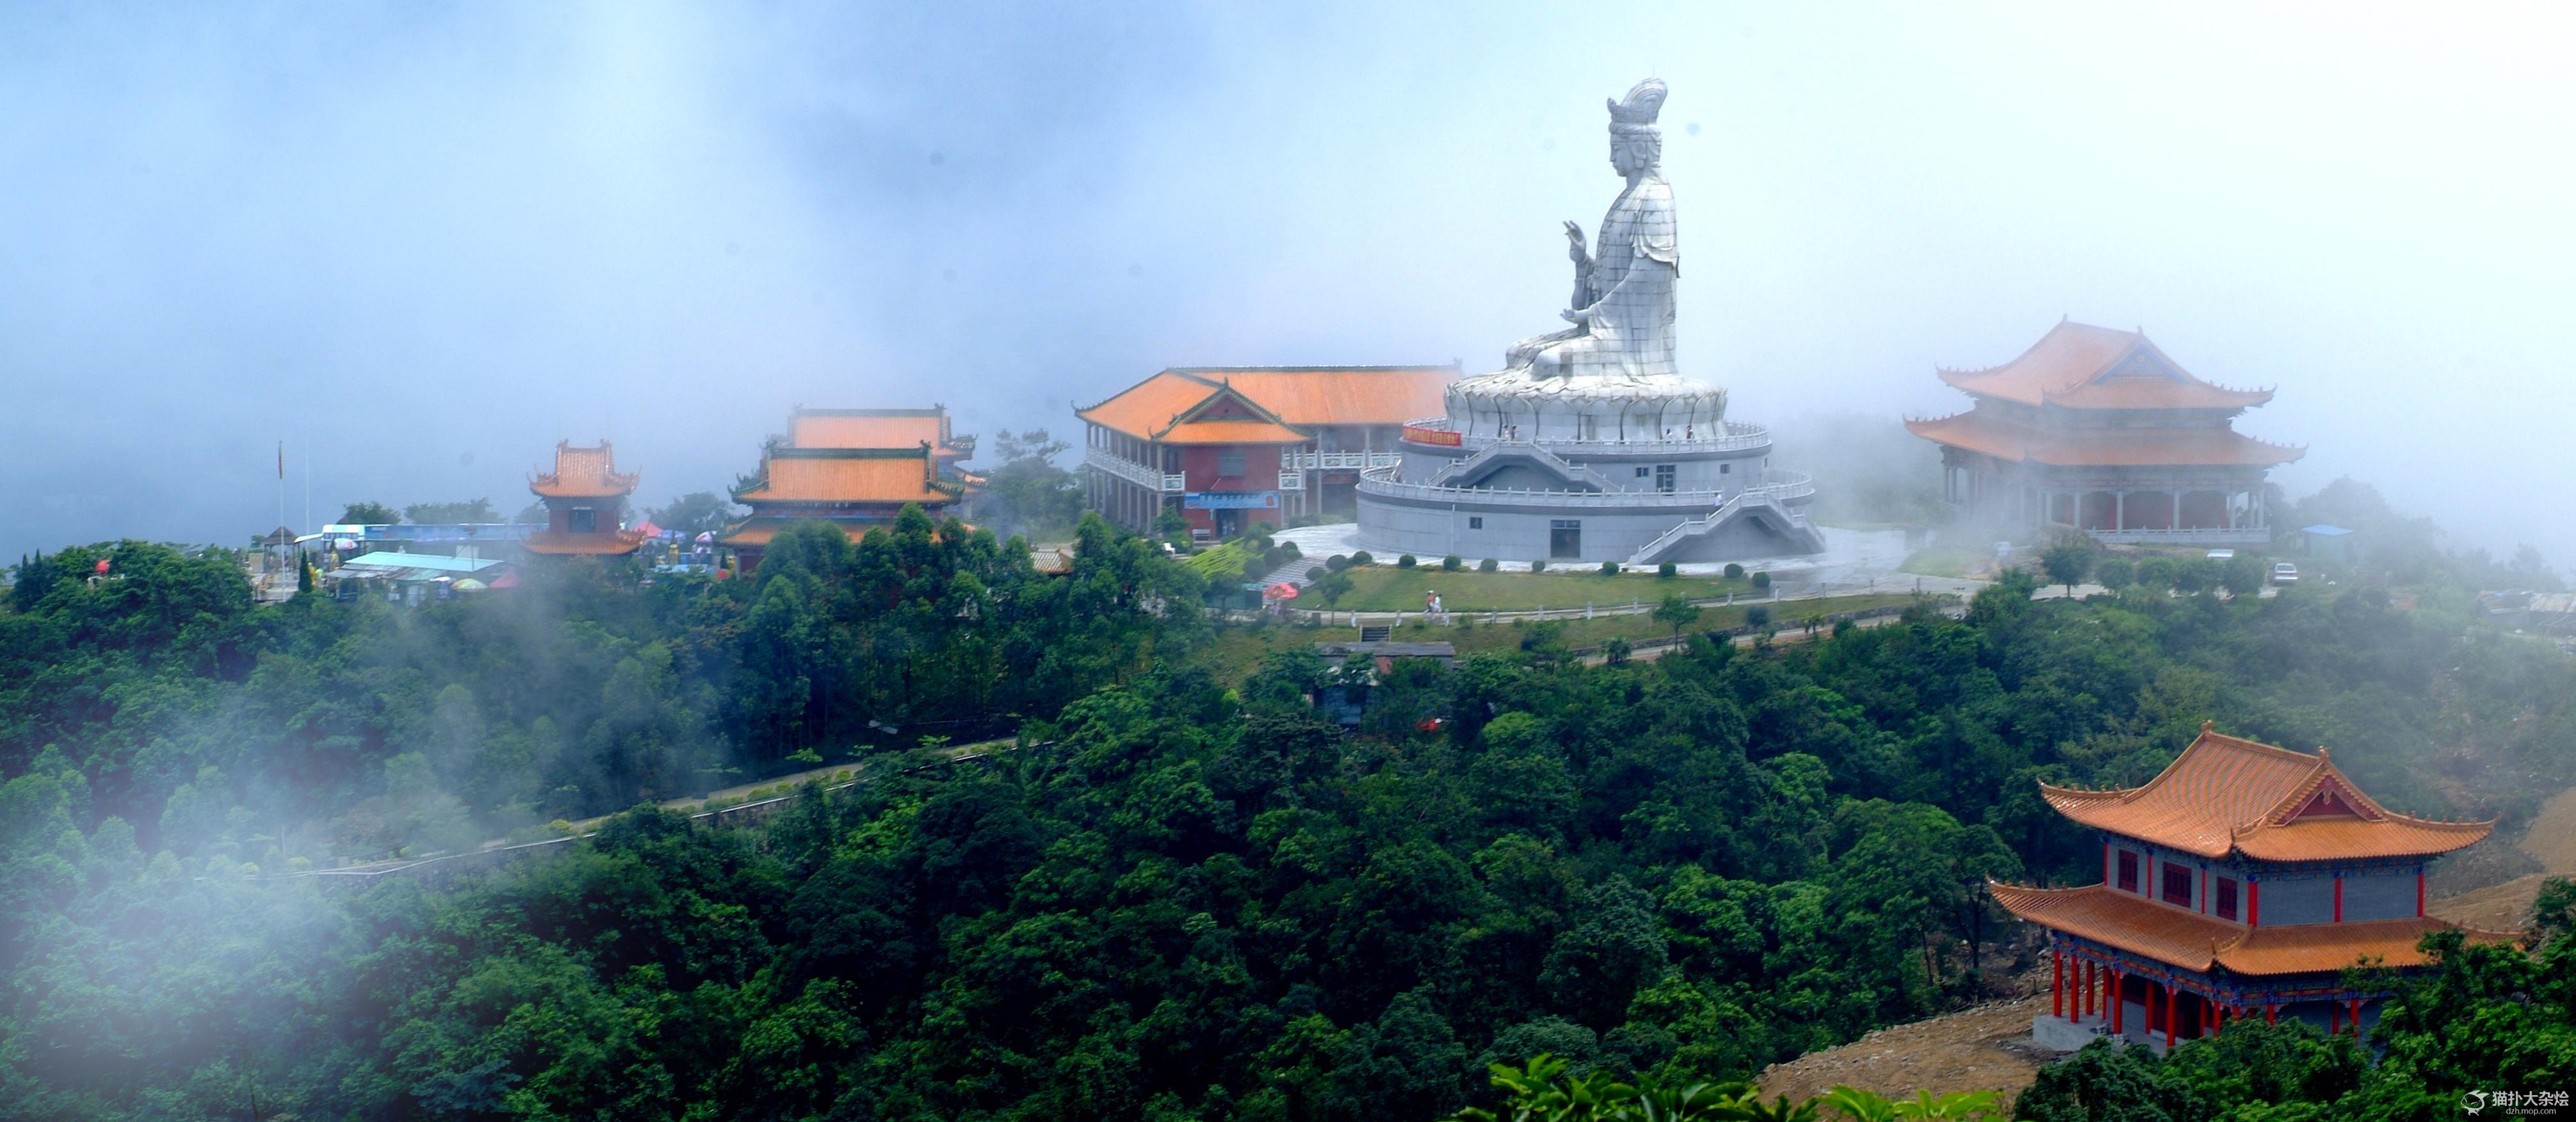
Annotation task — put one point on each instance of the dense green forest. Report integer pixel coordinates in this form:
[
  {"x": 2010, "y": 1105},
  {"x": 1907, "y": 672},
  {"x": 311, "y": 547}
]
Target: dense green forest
[{"x": 1169, "y": 895}]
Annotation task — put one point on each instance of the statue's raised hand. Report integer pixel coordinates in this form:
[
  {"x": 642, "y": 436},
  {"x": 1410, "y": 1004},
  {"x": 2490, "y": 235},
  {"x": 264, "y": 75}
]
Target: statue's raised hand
[{"x": 1574, "y": 250}]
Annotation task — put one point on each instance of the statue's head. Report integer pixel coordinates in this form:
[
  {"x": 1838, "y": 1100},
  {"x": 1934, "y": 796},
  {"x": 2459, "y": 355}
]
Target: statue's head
[{"x": 1635, "y": 143}]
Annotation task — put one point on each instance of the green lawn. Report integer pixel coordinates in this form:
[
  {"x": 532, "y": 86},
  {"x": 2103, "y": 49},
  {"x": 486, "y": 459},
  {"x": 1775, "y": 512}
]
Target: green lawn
[
  {"x": 1384, "y": 588},
  {"x": 1234, "y": 652},
  {"x": 1950, "y": 558}
]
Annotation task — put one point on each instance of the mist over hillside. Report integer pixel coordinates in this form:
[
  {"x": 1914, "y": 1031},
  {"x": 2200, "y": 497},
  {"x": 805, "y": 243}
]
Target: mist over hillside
[{"x": 418, "y": 247}]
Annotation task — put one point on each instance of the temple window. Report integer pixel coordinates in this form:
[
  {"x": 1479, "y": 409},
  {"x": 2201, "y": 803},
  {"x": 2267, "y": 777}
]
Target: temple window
[
  {"x": 2177, "y": 885},
  {"x": 2223, "y": 901},
  {"x": 2128, "y": 871},
  {"x": 1229, "y": 462},
  {"x": 1665, "y": 474}
]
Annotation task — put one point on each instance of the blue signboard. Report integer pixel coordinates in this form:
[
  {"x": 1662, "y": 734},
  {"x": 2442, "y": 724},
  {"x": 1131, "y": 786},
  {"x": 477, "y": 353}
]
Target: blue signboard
[{"x": 1230, "y": 500}]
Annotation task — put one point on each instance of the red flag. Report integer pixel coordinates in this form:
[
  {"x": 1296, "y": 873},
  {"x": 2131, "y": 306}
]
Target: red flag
[{"x": 101, "y": 566}]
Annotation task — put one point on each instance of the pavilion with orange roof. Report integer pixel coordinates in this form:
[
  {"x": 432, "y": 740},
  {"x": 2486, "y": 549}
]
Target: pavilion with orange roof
[
  {"x": 1230, "y": 446},
  {"x": 854, "y": 468},
  {"x": 2098, "y": 429},
  {"x": 2241, "y": 881},
  {"x": 585, "y": 501}
]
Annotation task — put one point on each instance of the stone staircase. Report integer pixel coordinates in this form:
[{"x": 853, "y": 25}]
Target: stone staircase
[
  {"x": 1748, "y": 504},
  {"x": 1547, "y": 461}
]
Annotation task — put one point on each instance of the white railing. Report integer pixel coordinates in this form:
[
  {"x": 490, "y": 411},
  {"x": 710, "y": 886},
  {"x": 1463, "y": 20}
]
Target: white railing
[
  {"x": 2214, "y": 535},
  {"x": 1338, "y": 461},
  {"x": 1133, "y": 472},
  {"x": 1737, "y": 437},
  {"x": 1782, "y": 486}
]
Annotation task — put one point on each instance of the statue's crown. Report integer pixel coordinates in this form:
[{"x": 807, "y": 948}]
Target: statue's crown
[{"x": 1645, "y": 100}]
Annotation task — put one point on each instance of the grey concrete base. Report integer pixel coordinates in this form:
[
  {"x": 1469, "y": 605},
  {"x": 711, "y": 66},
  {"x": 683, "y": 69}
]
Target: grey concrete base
[{"x": 2064, "y": 1035}]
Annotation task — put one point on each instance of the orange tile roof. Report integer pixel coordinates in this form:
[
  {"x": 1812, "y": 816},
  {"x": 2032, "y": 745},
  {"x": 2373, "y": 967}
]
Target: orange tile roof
[
  {"x": 2225, "y": 794},
  {"x": 1363, "y": 395},
  {"x": 1145, "y": 409},
  {"x": 759, "y": 531},
  {"x": 867, "y": 428},
  {"x": 583, "y": 473},
  {"x": 790, "y": 478},
  {"x": 569, "y": 544},
  {"x": 2100, "y": 447},
  {"x": 2080, "y": 366},
  {"x": 2197, "y": 942},
  {"x": 1296, "y": 396}
]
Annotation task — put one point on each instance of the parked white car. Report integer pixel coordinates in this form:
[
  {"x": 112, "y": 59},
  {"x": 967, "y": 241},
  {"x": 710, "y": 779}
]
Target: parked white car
[{"x": 2285, "y": 573}]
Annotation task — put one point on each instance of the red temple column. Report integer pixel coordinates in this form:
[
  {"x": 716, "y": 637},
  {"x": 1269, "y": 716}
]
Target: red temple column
[
  {"x": 2119, "y": 1007},
  {"x": 2338, "y": 898},
  {"x": 2334, "y": 1019},
  {"x": 2271, "y": 1013},
  {"x": 2057, "y": 983},
  {"x": 2253, "y": 903},
  {"x": 2356, "y": 1018},
  {"x": 2169, "y": 1018},
  {"x": 2090, "y": 1006},
  {"x": 2419, "y": 893}
]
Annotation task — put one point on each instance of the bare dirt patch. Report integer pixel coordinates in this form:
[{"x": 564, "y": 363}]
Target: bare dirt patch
[
  {"x": 1971, "y": 1050},
  {"x": 2550, "y": 843}
]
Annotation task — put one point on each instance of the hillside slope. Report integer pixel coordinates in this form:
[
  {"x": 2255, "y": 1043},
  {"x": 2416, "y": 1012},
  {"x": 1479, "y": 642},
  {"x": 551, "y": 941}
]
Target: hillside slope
[{"x": 1987, "y": 1048}]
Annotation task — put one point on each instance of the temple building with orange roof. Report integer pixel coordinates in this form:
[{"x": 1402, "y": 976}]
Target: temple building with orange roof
[
  {"x": 881, "y": 428},
  {"x": 2241, "y": 882},
  {"x": 855, "y": 468},
  {"x": 585, "y": 500},
  {"x": 2098, "y": 429},
  {"x": 1231, "y": 446}
]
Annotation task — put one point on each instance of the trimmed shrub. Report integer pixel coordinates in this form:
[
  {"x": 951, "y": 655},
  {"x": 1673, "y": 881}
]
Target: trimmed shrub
[
  {"x": 1362, "y": 558},
  {"x": 1489, "y": 565},
  {"x": 1451, "y": 564},
  {"x": 1337, "y": 562},
  {"x": 1538, "y": 566},
  {"x": 1758, "y": 616},
  {"x": 1609, "y": 568},
  {"x": 1762, "y": 579},
  {"x": 1667, "y": 571},
  {"x": 2116, "y": 572},
  {"x": 1290, "y": 549},
  {"x": 1734, "y": 571},
  {"x": 1404, "y": 562}
]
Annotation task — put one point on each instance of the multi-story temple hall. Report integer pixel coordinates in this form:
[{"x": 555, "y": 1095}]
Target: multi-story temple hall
[
  {"x": 1589, "y": 444},
  {"x": 2241, "y": 882},
  {"x": 585, "y": 498},
  {"x": 2097, "y": 429}
]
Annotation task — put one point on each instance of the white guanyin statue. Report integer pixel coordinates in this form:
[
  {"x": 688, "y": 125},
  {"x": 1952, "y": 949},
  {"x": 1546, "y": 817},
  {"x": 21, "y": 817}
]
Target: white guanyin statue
[{"x": 1622, "y": 309}]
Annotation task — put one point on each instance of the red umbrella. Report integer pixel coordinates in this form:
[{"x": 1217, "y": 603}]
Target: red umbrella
[{"x": 1280, "y": 591}]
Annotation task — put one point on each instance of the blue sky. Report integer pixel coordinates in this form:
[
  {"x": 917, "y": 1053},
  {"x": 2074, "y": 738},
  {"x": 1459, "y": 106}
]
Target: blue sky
[{"x": 437, "y": 238}]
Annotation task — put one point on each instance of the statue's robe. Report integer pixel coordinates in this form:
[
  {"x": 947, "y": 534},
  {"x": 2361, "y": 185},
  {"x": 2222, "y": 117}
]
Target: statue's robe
[{"x": 1629, "y": 288}]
